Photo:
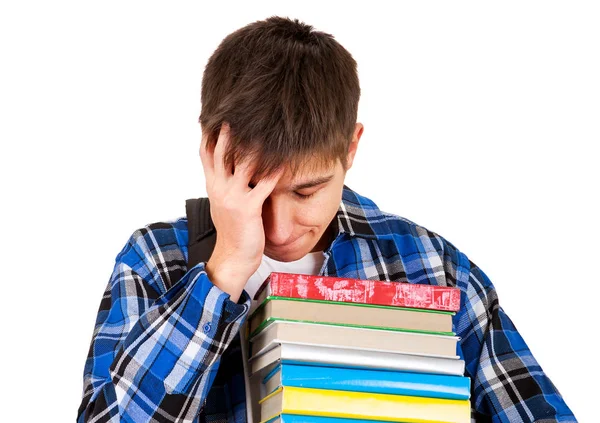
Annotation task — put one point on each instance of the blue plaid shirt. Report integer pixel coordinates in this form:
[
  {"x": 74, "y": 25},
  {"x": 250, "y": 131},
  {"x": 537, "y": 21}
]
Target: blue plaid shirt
[{"x": 166, "y": 347}]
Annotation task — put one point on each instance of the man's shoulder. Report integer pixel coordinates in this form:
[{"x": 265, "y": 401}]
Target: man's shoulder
[
  {"x": 425, "y": 252},
  {"x": 410, "y": 237},
  {"x": 402, "y": 228},
  {"x": 161, "y": 234},
  {"x": 157, "y": 245},
  {"x": 383, "y": 224}
]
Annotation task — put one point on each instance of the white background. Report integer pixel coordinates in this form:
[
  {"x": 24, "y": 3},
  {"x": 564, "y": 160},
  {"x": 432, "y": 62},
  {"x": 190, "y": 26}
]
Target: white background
[{"x": 481, "y": 124}]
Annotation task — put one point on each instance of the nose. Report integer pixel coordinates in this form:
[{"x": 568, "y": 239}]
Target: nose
[{"x": 277, "y": 221}]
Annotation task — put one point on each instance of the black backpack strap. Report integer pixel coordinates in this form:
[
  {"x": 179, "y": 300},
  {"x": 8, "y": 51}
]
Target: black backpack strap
[{"x": 201, "y": 231}]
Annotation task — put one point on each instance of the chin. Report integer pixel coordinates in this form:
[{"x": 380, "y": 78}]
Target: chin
[{"x": 289, "y": 255}]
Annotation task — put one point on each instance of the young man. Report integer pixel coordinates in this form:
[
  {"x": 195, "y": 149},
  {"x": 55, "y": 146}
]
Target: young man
[{"x": 279, "y": 107}]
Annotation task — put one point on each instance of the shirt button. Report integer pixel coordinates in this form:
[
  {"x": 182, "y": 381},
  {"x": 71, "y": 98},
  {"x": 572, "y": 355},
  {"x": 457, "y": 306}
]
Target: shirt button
[{"x": 206, "y": 327}]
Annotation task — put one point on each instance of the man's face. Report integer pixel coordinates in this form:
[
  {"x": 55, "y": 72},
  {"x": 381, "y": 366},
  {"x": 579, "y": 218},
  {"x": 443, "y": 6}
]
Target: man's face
[{"x": 298, "y": 212}]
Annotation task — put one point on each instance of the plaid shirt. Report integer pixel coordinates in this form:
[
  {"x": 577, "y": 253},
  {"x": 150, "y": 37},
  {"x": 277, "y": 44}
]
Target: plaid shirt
[{"x": 165, "y": 346}]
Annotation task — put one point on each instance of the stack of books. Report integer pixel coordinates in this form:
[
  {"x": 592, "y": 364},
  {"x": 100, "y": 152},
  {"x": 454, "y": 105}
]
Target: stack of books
[{"x": 338, "y": 350}]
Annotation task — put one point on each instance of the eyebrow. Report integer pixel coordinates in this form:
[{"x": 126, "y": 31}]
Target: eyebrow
[{"x": 313, "y": 183}]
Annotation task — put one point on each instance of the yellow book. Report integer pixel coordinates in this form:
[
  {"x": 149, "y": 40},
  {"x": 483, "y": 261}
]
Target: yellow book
[{"x": 363, "y": 405}]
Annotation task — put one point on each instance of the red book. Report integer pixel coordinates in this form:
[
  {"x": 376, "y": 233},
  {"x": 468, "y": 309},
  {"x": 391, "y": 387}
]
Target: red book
[{"x": 328, "y": 288}]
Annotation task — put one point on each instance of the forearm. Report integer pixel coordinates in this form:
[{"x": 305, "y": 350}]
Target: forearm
[{"x": 164, "y": 365}]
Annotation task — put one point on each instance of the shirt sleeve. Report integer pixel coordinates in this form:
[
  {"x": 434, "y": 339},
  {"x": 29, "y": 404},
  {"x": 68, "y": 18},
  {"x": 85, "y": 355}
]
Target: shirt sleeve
[
  {"x": 155, "y": 351},
  {"x": 508, "y": 385}
]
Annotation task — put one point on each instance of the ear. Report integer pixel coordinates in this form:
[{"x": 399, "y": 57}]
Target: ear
[{"x": 358, "y": 130}]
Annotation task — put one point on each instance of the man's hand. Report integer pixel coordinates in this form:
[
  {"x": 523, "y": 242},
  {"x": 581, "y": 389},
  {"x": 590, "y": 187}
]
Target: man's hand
[{"x": 236, "y": 211}]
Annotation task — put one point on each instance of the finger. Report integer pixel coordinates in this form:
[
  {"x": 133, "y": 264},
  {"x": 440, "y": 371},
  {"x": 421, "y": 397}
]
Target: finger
[
  {"x": 265, "y": 186},
  {"x": 243, "y": 173},
  {"x": 220, "y": 149},
  {"x": 207, "y": 158}
]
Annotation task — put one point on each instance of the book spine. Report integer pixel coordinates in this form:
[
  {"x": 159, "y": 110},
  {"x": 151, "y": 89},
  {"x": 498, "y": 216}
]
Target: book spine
[
  {"x": 375, "y": 381},
  {"x": 399, "y": 294},
  {"x": 382, "y": 407}
]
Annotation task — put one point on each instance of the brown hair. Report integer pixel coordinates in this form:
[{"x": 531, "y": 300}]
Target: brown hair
[{"x": 289, "y": 93}]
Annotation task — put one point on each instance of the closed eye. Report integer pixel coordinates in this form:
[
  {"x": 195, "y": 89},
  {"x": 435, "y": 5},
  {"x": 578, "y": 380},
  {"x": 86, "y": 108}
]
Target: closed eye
[{"x": 303, "y": 196}]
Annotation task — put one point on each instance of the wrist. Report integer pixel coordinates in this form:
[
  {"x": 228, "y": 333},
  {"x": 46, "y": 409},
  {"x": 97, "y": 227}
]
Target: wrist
[{"x": 226, "y": 278}]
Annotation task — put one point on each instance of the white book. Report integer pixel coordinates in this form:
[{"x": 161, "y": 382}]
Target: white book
[{"x": 337, "y": 356}]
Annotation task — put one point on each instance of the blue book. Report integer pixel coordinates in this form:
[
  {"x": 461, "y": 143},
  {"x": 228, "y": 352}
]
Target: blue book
[
  {"x": 297, "y": 418},
  {"x": 364, "y": 380}
]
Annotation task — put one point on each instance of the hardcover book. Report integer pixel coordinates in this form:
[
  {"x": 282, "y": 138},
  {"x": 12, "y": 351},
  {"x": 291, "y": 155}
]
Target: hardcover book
[
  {"x": 329, "y": 288},
  {"x": 361, "y": 405},
  {"x": 322, "y": 334},
  {"x": 362, "y": 380},
  {"x": 299, "y": 418},
  {"x": 364, "y": 315}
]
